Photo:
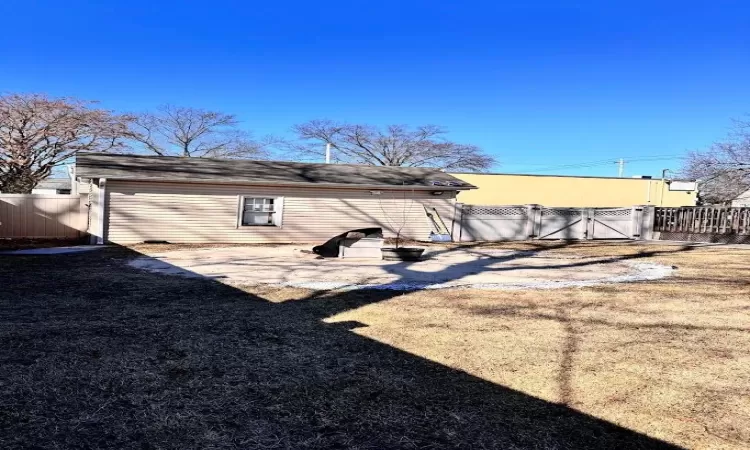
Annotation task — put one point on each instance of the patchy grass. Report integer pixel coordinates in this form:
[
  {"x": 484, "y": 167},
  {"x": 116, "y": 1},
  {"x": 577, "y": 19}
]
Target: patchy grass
[
  {"x": 670, "y": 359},
  {"x": 97, "y": 354}
]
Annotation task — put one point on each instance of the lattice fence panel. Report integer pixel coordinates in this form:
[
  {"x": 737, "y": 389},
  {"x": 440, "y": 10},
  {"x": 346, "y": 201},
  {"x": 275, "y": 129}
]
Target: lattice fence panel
[
  {"x": 619, "y": 212},
  {"x": 560, "y": 212},
  {"x": 501, "y": 211}
]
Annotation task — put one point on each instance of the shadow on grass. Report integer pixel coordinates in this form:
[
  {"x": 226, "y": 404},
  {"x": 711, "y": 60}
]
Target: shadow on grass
[{"x": 97, "y": 354}]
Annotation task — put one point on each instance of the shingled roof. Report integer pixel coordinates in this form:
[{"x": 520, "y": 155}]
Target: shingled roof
[{"x": 233, "y": 171}]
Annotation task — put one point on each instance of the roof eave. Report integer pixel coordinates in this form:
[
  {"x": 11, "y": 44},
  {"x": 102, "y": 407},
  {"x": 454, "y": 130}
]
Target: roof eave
[{"x": 290, "y": 184}]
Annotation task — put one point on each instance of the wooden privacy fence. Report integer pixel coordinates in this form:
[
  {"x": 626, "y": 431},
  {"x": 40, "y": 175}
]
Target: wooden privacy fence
[
  {"x": 42, "y": 216},
  {"x": 703, "y": 224}
]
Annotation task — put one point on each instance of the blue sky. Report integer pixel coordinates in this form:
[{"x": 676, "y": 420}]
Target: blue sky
[{"x": 537, "y": 84}]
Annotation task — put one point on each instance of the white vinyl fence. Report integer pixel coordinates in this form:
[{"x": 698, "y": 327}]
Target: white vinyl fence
[
  {"x": 42, "y": 216},
  {"x": 522, "y": 222}
]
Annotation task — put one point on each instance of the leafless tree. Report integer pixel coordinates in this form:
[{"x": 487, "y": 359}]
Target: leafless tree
[
  {"x": 396, "y": 145},
  {"x": 396, "y": 212},
  {"x": 193, "y": 132},
  {"x": 39, "y": 133},
  {"x": 724, "y": 168}
]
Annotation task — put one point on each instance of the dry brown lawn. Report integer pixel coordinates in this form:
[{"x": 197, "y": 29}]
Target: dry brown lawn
[
  {"x": 97, "y": 354},
  {"x": 670, "y": 359}
]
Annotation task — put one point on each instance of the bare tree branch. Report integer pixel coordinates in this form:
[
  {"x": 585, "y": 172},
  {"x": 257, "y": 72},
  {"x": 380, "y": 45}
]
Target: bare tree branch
[
  {"x": 192, "y": 132},
  {"x": 38, "y": 133},
  {"x": 396, "y": 145},
  {"x": 724, "y": 168}
]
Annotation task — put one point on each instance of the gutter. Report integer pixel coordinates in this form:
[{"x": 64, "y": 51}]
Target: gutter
[{"x": 379, "y": 187}]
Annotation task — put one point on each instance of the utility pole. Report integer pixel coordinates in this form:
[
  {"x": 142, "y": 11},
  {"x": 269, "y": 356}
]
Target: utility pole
[
  {"x": 328, "y": 153},
  {"x": 620, "y": 167}
]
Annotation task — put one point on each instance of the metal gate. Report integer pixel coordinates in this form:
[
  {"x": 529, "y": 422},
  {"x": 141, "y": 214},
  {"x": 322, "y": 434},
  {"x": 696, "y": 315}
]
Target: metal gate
[
  {"x": 613, "y": 223},
  {"x": 562, "y": 223}
]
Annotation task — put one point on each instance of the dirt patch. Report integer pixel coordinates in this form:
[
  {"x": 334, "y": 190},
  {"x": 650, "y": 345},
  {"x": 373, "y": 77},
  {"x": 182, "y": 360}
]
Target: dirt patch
[
  {"x": 53, "y": 250},
  {"x": 22, "y": 244}
]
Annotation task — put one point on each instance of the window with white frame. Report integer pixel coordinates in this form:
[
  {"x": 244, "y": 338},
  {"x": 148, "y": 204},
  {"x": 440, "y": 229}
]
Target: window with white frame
[{"x": 260, "y": 211}]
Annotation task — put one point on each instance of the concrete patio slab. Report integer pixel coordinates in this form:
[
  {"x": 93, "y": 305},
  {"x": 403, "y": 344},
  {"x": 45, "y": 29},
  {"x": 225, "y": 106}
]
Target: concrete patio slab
[{"x": 441, "y": 268}]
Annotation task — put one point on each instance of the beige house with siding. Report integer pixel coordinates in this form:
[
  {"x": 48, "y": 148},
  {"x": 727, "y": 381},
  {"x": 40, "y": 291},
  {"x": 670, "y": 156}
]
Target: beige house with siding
[{"x": 137, "y": 198}]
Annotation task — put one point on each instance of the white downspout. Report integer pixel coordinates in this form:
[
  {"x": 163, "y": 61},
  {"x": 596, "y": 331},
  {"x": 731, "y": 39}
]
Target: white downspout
[
  {"x": 73, "y": 182},
  {"x": 102, "y": 210}
]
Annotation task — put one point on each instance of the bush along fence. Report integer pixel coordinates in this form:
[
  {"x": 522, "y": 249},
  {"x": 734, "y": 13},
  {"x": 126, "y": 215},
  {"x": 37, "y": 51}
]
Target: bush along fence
[{"x": 703, "y": 224}]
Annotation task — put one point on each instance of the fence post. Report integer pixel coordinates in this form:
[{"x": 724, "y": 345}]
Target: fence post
[
  {"x": 636, "y": 220},
  {"x": 636, "y": 217},
  {"x": 457, "y": 224},
  {"x": 587, "y": 215},
  {"x": 533, "y": 220},
  {"x": 644, "y": 223}
]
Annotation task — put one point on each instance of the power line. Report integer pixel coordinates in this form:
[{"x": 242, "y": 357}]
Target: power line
[
  {"x": 604, "y": 162},
  {"x": 607, "y": 160}
]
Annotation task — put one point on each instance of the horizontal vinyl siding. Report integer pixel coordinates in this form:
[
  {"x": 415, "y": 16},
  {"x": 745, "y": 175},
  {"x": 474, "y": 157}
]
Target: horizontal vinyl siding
[{"x": 178, "y": 212}]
